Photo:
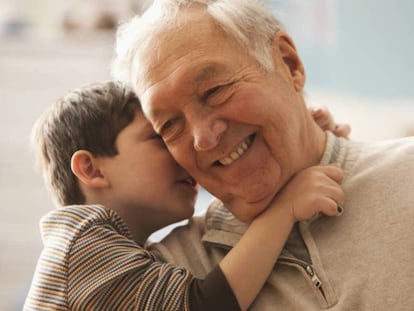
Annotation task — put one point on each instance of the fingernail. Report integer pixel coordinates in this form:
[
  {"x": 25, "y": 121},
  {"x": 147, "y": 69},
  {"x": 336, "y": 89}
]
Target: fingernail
[{"x": 340, "y": 210}]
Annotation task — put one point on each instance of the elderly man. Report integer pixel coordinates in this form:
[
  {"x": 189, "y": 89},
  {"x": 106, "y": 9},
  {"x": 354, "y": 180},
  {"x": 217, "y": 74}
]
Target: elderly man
[{"x": 222, "y": 83}]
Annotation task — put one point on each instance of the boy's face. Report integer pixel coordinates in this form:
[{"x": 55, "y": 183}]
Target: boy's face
[{"x": 146, "y": 184}]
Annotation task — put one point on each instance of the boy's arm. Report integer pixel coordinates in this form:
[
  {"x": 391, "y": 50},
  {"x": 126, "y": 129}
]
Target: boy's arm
[{"x": 248, "y": 264}]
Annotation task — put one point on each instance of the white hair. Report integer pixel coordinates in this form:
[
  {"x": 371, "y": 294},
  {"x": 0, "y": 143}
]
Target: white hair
[{"x": 246, "y": 21}]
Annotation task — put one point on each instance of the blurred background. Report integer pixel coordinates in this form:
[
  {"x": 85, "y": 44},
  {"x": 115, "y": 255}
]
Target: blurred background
[{"x": 358, "y": 56}]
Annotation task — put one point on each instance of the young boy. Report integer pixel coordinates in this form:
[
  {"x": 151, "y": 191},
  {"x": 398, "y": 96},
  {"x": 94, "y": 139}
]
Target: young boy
[{"x": 117, "y": 184}]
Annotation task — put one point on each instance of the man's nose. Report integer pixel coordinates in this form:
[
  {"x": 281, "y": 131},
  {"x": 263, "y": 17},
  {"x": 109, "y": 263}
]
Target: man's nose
[{"x": 207, "y": 134}]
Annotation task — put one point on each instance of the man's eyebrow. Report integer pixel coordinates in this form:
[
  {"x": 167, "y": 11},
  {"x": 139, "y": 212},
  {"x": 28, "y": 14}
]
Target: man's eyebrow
[{"x": 207, "y": 73}]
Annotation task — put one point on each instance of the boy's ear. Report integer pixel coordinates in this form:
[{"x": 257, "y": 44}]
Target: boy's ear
[
  {"x": 284, "y": 46},
  {"x": 85, "y": 167}
]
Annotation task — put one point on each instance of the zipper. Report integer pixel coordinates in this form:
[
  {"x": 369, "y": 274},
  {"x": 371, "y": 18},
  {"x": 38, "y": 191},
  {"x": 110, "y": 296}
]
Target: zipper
[{"x": 316, "y": 281}]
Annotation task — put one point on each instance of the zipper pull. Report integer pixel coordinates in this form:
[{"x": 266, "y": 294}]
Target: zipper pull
[{"x": 315, "y": 279}]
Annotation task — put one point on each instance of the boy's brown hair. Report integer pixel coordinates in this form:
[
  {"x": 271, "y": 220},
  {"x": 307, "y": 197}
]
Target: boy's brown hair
[{"x": 88, "y": 118}]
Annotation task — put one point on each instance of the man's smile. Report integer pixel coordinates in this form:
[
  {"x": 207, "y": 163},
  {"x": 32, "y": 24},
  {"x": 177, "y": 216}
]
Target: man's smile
[{"x": 237, "y": 152}]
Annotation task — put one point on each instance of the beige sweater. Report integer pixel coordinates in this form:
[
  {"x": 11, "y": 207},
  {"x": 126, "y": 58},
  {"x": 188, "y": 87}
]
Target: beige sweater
[{"x": 362, "y": 260}]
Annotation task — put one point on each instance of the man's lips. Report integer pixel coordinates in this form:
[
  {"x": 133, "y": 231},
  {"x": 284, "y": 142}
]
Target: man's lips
[{"x": 238, "y": 152}]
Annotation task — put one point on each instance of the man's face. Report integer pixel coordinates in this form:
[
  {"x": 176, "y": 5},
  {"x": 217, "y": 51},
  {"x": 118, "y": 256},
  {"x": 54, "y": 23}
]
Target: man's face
[{"x": 236, "y": 129}]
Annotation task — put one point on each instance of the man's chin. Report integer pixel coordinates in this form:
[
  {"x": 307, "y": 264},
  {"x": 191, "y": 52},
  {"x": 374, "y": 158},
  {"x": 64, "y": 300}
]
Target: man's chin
[{"x": 247, "y": 211}]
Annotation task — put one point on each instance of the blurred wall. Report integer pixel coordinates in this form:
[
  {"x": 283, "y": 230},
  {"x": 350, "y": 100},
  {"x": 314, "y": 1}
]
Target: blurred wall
[
  {"x": 358, "y": 57},
  {"x": 363, "y": 48}
]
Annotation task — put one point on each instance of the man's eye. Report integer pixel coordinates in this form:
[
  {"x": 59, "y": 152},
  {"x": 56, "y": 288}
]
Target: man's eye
[
  {"x": 171, "y": 129},
  {"x": 211, "y": 91},
  {"x": 166, "y": 126}
]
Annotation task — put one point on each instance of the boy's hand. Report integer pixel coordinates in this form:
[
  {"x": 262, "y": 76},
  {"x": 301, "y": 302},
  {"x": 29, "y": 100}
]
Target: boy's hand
[
  {"x": 313, "y": 190},
  {"x": 325, "y": 120}
]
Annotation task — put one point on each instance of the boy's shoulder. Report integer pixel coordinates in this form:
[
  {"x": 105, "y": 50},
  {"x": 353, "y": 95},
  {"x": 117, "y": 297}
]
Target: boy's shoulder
[{"x": 66, "y": 224}]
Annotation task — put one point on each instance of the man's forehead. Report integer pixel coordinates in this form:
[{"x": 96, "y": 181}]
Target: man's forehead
[{"x": 198, "y": 31}]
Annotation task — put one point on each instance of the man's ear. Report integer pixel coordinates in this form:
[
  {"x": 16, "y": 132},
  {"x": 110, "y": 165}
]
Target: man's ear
[
  {"x": 85, "y": 167},
  {"x": 285, "y": 50}
]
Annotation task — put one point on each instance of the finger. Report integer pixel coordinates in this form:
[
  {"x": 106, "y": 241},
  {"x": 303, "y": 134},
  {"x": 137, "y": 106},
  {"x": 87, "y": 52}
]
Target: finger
[
  {"x": 320, "y": 112},
  {"x": 323, "y": 123},
  {"x": 330, "y": 182},
  {"x": 342, "y": 130},
  {"x": 336, "y": 194},
  {"x": 333, "y": 171},
  {"x": 340, "y": 210},
  {"x": 324, "y": 118},
  {"x": 330, "y": 207},
  {"x": 331, "y": 190}
]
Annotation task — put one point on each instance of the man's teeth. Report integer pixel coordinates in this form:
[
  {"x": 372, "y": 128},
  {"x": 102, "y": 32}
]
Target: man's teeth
[{"x": 240, "y": 150}]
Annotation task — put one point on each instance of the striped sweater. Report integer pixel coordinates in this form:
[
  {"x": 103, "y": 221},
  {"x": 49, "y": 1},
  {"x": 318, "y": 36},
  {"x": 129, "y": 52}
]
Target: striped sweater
[{"x": 90, "y": 262}]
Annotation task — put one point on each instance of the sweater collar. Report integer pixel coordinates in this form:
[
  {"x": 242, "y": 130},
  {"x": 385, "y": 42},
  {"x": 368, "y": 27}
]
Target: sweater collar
[{"x": 335, "y": 149}]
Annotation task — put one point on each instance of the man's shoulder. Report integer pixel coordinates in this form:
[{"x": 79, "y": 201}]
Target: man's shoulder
[
  {"x": 405, "y": 145},
  {"x": 182, "y": 235},
  {"x": 386, "y": 153},
  {"x": 195, "y": 228},
  {"x": 380, "y": 168},
  {"x": 183, "y": 246}
]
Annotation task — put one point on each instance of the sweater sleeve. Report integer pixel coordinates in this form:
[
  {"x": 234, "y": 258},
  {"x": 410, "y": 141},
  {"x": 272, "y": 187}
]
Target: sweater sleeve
[
  {"x": 213, "y": 293},
  {"x": 107, "y": 271}
]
